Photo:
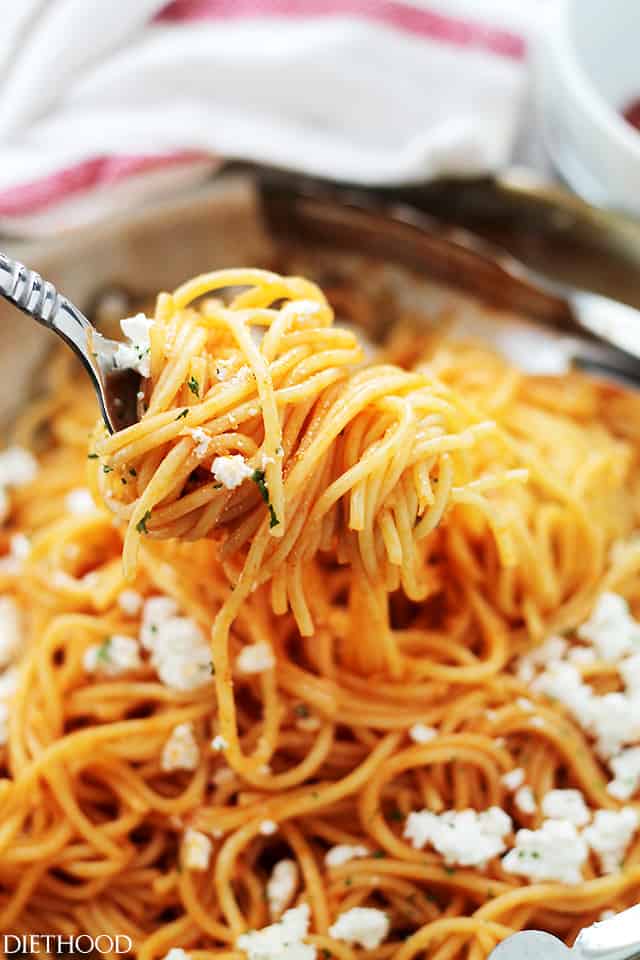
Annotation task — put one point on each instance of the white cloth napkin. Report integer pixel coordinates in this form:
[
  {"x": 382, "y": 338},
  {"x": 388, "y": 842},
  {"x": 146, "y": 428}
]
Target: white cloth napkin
[{"x": 105, "y": 103}]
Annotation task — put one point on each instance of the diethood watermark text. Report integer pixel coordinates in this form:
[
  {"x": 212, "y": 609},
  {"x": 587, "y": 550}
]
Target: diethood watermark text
[{"x": 56, "y": 943}]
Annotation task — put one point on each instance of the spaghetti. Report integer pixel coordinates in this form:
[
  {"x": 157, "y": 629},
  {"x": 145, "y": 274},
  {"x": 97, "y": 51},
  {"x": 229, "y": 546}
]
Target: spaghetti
[{"x": 393, "y": 541}]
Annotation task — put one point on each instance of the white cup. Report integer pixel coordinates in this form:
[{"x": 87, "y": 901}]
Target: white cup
[{"x": 587, "y": 70}]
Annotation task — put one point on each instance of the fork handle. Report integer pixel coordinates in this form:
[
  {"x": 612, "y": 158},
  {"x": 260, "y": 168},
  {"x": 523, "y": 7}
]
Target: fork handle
[{"x": 39, "y": 299}]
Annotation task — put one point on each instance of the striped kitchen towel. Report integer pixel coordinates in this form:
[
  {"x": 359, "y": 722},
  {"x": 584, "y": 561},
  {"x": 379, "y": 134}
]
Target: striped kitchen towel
[{"x": 106, "y": 104}]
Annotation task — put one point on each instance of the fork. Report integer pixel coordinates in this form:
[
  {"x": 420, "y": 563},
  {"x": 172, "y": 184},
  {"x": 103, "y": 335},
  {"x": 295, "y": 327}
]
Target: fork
[
  {"x": 116, "y": 387},
  {"x": 617, "y": 938}
]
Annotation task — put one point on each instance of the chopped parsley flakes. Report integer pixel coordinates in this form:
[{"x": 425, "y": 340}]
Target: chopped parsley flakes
[
  {"x": 258, "y": 478},
  {"x": 194, "y": 386},
  {"x": 141, "y": 525}
]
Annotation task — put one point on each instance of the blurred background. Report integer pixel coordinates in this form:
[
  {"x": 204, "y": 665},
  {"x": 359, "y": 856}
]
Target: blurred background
[{"x": 107, "y": 105}]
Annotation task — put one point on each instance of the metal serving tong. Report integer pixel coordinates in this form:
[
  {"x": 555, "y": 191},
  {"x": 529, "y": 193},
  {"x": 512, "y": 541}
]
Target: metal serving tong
[
  {"x": 615, "y": 939},
  {"x": 512, "y": 240}
]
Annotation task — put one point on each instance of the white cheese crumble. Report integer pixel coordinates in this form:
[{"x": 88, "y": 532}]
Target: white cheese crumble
[
  {"x": 281, "y": 886},
  {"x": 136, "y": 354},
  {"x": 219, "y": 743},
  {"x": 255, "y": 658},
  {"x": 231, "y": 471},
  {"x": 611, "y": 629},
  {"x": 203, "y": 442},
  {"x": 421, "y": 733},
  {"x": 130, "y": 602},
  {"x": 196, "y": 850},
  {"x": 177, "y": 953},
  {"x": 363, "y": 926},
  {"x": 626, "y": 770},
  {"x": 79, "y": 502},
  {"x": 553, "y": 649},
  {"x": 10, "y": 630},
  {"x": 525, "y": 800},
  {"x": 344, "y": 852},
  {"x": 609, "y": 836},
  {"x": 268, "y": 828},
  {"x": 464, "y": 837},
  {"x": 181, "y": 751},
  {"x": 17, "y": 467},
  {"x": 19, "y": 550},
  {"x": 566, "y": 805},
  {"x": 179, "y": 650},
  {"x": 8, "y": 686},
  {"x": 282, "y": 940},
  {"x": 117, "y": 655},
  {"x": 513, "y": 779},
  {"x": 554, "y": 852}
]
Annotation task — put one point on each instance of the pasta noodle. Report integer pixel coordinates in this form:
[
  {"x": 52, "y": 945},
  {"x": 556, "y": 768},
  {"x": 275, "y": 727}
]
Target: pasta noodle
[{"x": 299, "y": 609}]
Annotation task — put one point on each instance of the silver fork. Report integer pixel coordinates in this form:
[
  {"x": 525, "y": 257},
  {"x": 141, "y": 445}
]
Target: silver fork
[
  {"x": 615, "y": 939},
  {"x": 116, "y": 388}
]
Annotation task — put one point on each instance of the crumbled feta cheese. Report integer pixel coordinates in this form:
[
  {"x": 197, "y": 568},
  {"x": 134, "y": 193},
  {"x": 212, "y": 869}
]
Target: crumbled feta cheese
[
  {"x": 136, "y": 354},
  {"x": 17, "y": 467},
  {"x": 364, "y": 926},
  {"x": 607, "y": 718},
  {"x": 177, "y": 953},
  {"x": 223, "y": 775},
  {"x": 607, "y": 915},
  {"x": 255, "y": 658},
  {"x": 282, "y": 940},
  {"x": 197, "y": 849},
  {"x": 181, "y": 751},
  {"x": 79, "y": 502},
  {"x": 281, "y": 886},
  {"x": 553, "y": 649},
  {"x": 525, "y": 800},
  {"x": 268, "y": 828},
  {"x": 554, "y": 852},
  {"x": 566, "y": 805},
  {"x": 8, "y": 686},
  {"x": 179, "y": 650},
  {"x": 344, "y": 852},
  {"x": 222, "y": 368},
  {"x": 265, "y": 460},
  {"x": 626, "y": 769},
  {"x": 464, "y": 837},
  {"x": 19, "y": 550},
  {"x": 203, "y": 442},
  {"x": 581, "y": 655},
  {"x": 231, "y": 471},
  {"x": 514, "y": 778},
  {"x": 629, "y": 670},
  {"x": 609, "y": 836},
  {"x": 219, "y": 743},
  {"x": 10, "y": 630},
  {"x": 611, "y": 628},
  {"x": 117, "y": 655},
  {"x": 156, "y": 611},
  {"x": 421, "y": 733},
  {"x": 130, "y": 602}
]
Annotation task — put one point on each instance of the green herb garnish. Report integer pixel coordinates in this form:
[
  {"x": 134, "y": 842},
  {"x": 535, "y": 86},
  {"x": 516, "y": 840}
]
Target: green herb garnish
[
  {"x": 92, "y": 456},
  {"x": 194, "y": 386},
  {"x": 141, "y": 525},
  {"x": 107, "y": 469},
  {"x": 182, "y": 413},
  {"x": 258, "y": 478},
  {"x": 133, "y": 472},
  {"x": 301, "y": 710},
  {"x": 103, "y": 651}
]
